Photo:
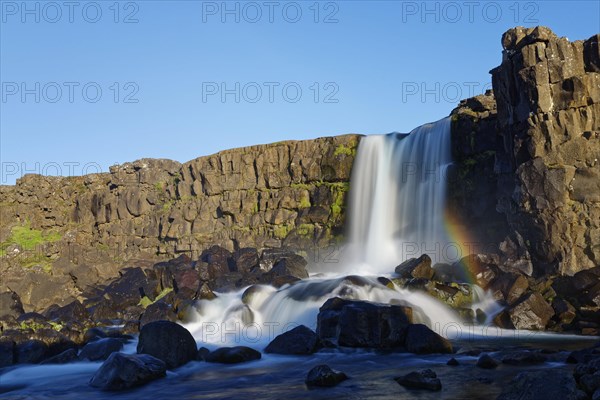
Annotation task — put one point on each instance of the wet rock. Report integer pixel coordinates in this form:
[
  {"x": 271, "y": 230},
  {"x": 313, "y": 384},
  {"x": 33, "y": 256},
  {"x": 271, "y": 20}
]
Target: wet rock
[
  {"x": 65, "y": 357},
  {"x": 202, "y": 353},
  {"x": 416, "y": 268},
  {"x": 220, "y": 261},
  {"x": 10, "y": 305},
  {"x": 455, "y": 295},
  {"x": 168, "y": 342},
  {"x": 422, "y": 340},
  {"x": 363, "y": 324},
  {"x": 485, "y": 361},
  {"x": 74, "y": 311},
  {"x": 31, "y": 352},
  {"x": 100, "y": 349},
  {"x": 590, "y": 383},
  {"x": 130, "y": 288},
  {"x": 298, "y": 341},
  {"x": 8, "y": 354},
  {"x": 324, "y": 376},
  {"x": 289, "y": 266},
  {"x": 542, "y": 384},
  {"x": 123, "y": 371},
  {"x": 524, "y": 358},
  {"x": 159, "y": 311},
  {"x": 425, "y": 379},
  {"x": 232, "y": 355},
  {"x": 453, "y": 362},
  {"x": 532, "y": 312},
  {"x": 246, "y": 259}
]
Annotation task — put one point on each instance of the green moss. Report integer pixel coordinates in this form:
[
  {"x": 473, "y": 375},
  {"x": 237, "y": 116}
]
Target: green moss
[
  {"x": 344, "y": 150},
  {"x": 29, "y": 239},
  {"x": 304, "y": 202},
  {"x": 145, "y": 301},
  {"x": 300, "y": 186},
  {"x": 159, "y": 186},
  {"x": 281, "y": 231},
  {"x": 305, "y": 230}
]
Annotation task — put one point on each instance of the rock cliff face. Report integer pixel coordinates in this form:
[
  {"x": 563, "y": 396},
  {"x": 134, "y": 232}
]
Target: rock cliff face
[
  {"x": 533, "y": 152},
  {"x": 290, "y": 194}
]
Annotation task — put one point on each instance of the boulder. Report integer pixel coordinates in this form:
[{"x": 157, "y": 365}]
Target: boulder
[
  {"x": 220, "y": 261},
  {"x": 363, "y": 324},
  {"x": 74, "y": 311},
  {"x": 509, "y": 287},
  {"x": 100, "y": 349},
  {"x": 416, "y": 268},
  {"x": 422, "y": 340},
  {"x": 31, "y": 352},
  {"x": 547, "y": 384},
  {"x": 126, "y": 371},
  {"x": 425, "y": 379},
  {"x": 486, "y": 361},
  {"x": 232, "y": 355},
  {"x": 246, "y": 259},
  {"x": 300, "y": 340},
  {"x": 178, "y": 273},
  {"x": 8, "y": 354},
  {"x": 483, "y": 268},
  {"x": 590, "y": 383},
  {"x": 524, "y": 358},
  {"x": 324, "y": 376},
  {"x": 65, "y": 357},
  {"x": 453, "y": 362},
  {"x": 289, "y": 266},
  {"x": 532, "y": 312},
  {"x": 10, "y": 304},
  {"x": 130, "y": 288},
  {"x": 168, "y": 342},
  {"x": 159, "y": 311}
]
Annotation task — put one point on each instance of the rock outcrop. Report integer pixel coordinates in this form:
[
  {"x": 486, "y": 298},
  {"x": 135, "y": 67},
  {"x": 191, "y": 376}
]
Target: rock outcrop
[{"x": 64, "y": 235}]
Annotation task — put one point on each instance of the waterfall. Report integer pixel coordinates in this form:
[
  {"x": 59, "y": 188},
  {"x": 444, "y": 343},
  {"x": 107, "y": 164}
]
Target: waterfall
[
  {"x": 397, "y": 200},
  {"x": 398, "y": 197}
]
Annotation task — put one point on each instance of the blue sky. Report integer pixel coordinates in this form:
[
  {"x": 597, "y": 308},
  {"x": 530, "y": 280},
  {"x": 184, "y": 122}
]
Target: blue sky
[{"x": 86, "y": 85}]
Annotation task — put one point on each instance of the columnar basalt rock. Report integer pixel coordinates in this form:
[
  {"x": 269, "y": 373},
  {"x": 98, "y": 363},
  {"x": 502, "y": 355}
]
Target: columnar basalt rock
[{"x": 84, "y": 229}]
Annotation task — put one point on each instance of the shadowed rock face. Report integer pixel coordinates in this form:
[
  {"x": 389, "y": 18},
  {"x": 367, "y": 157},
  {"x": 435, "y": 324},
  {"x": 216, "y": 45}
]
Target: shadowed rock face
[
  {"x": 284, "y": 194},
  {"x": 528, "y": 154}
]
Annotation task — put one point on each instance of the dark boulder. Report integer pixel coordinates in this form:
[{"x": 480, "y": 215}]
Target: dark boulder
[
  {"x": 65, "y": 357},
  {"x": 590, "y": 383},
  {"x": 300, "y": 340},
  {"x": 31, "y": 352},
  {"x": 10, "y": 304},
  {"x": 130, "y": 288},
  {"x": 509, "y": 287},
  {"x": 100, "y": 349},
  {"x": 524, "y": 358},
  {"x": 169, "y": 342},
  {"x": 425, "y": 379},
  {"x": 232, "y": 355},
  {"x": 547, "y": 384},
  {"x": 220, "y": 261},
  {"x": 125, "y": 371},
  {"x": 159, "y": 311},
  {"x": 422, "y": 340},
  {"x": 202, "y": 353},
  {"x": 564, "y": 312},
  {"x": 8, "y": 355},
  {"x": 486, "y": 361},
  {"x": 178, "y": 274},
  {"x": 416, "y": 268},
  {"x": 453, "y": 362},
  {"x": 290, "y": 266},
  {"x": 363, "y": 324},
  {"x": 74, "y": 311},
  {"x": 483, "y": 267},
  {"x": 246, "y": 259},
  {"x": 324, "y": 376}
]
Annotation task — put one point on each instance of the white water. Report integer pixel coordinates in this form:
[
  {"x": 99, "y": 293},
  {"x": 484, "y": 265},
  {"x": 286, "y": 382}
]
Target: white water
[
  {"x": 396, "y": 212},
  {"x": 398, "y": 197}
]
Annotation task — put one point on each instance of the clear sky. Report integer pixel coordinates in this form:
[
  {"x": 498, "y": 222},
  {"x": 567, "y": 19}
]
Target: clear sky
[{"x": 86, "y": 85}]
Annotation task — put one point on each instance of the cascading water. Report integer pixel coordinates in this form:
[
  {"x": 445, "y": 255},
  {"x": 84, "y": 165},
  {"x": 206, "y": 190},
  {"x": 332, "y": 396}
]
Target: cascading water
[
  {"x": 398, "y": 197},
  {"x": 397, "y": 200}
]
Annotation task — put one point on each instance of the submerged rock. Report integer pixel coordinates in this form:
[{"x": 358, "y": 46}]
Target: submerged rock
[
  {"x": 65, "y": 357},
  {"x": 300, "y": 340},
  {"x": 324, "y": 376},
  {"x": 453, "y": 362},
  {"x": 486, "y": 361},
  {"x": 125, "y": 371},
  {"x": 425, "y": 379},
  {"x": 524, "y": 358},
  {"x": 232, "y": 355},
  {"x": 169, "y": 342},
  {"x": 547, "y": 384}
]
